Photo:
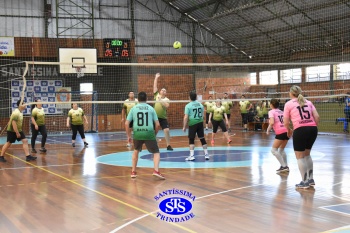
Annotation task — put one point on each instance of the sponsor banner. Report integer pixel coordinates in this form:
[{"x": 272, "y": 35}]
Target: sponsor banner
[
  {"x": 7, "y": 46},
  {"x": 41, "y": 89}
]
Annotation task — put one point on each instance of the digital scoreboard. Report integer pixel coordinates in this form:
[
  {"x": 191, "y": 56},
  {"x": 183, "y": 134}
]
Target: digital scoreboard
[{"x": 117, "y": 48}]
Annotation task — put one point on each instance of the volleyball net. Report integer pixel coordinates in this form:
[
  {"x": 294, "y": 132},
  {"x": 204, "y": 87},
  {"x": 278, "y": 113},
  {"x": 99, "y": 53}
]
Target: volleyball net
[{"x": 100, "y": 89}]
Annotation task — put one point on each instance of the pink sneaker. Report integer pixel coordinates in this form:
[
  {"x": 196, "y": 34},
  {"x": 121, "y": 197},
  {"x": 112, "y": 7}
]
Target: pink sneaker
[
  {"x": 212, "y": 142},
  {"x": 158, "y": 174},
  {"x": 133, "y": 174},
  {"x": 229, "y": 141}
]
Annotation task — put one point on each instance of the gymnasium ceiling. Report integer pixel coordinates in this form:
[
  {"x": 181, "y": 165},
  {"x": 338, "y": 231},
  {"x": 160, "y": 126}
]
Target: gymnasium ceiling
[{"x": 261, "y": 28}]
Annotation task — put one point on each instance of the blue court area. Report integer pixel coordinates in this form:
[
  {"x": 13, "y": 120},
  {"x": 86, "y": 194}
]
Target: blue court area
[{"x": 220, "y": 157}]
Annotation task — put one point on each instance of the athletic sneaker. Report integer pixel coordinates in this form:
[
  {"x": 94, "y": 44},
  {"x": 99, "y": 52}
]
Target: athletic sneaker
[
  {"x": 29, "y": 158},
  {"x": 73, "y": 144},
  {"x": 158, "y": 174},
  {"x": 311, "y": 182},
  {"x": 212, "y": 142},
  {"x": 336, "y": 121},
  {"x": 206, "y": 128},
  {"x": 346, "y": 131},
  {"x": 190, "y": 158},
  {"x": 283, "y": 169},
  {"x": 33, "y": 151},
  {"x": 2, "y": 159},
  {"x": 42, "y": 149},
  {"x": 229, "y": 141},
  {"x": 302, "y": 185},
  {"x": 133, "y": 175},
  {"x": 128, "y": 145},
  {"x": 169, "y": 148},
  {"x": 86, "y": 144},
  {"x": 206, "y": 157}
]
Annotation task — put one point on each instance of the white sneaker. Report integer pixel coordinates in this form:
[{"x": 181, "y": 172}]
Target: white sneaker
[
  {"x": 206, "y": 157},
  {"x": 128, "y": 145},
  {"x": 190, "y": 158}
]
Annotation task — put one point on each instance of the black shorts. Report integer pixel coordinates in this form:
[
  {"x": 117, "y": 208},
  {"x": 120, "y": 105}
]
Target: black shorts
[
  {"x": 196, "y": 129},
  {"x": 216, "y": 124},
  {"x": 12, "y": 137},
  {"x": 228, "y": 116},
  {"x": 151, "y": 145},
  {"x": 282, "y": 136},
  {"x": 304, "y": 138},
  {"x": 163, "y": 123}
]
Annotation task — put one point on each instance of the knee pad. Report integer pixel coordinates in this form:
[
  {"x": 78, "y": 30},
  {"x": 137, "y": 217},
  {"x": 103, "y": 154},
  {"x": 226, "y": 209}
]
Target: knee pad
[
  {"x": 274, "y": 151},
  {"x": 203, "y": 141},
  {"x": 191, "y": 140}
]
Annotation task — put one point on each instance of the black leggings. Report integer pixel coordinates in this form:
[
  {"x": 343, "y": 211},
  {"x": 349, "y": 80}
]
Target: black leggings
[
  {"x": 77, "y": 128},
  {"x": 42, "y": 130}
]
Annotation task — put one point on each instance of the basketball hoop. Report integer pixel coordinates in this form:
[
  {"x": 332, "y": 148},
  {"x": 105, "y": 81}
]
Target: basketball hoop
[{"x": 79, "y": 71}]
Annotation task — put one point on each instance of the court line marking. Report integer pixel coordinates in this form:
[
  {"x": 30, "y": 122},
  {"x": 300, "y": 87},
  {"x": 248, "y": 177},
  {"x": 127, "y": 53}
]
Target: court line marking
[
  {"x": 100, "y": 193},
  {"x": 334, "y": 211},
  {"x": 213, "y": 194}
]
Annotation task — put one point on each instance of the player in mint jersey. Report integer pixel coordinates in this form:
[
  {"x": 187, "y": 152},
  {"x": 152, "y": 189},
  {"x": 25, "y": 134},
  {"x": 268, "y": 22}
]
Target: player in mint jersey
[
  {"x": 194, "y": 117},
  {"x": 161, "y": 109},
  {"x": 216, "y": 118},
  {"x": 347, "y": 114},
  {"x": 145, "y": 128},
  {"x": 304, "y": 116},
  {"x": 38, "y": 125},
  {"x": 15, "y": 132},
  {"x": 228, "y": 105},
  {"x": 126, "y": 109},
  {"x": 75, "y": 119},
  {"x": 281, "y": 138}
]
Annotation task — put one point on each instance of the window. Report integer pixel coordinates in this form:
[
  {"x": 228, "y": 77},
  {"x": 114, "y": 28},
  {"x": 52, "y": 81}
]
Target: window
[
  {"x": 342, "y": 71},
  {"x": 269, "y": 77},
  {"x": 86, "y": 88},
  {"x": 253, "y": 78},
  {"x": 317, "y": 73},
  {"x": 291, "y": 76}
]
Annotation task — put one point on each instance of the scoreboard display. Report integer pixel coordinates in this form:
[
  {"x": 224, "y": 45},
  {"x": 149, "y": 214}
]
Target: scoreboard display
[{"x": 117, "y": 48}]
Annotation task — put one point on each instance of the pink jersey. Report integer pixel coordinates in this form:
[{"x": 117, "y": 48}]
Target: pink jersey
[
  {"x": 300, "y": 116},
  {"x": 278, "y": 125}
]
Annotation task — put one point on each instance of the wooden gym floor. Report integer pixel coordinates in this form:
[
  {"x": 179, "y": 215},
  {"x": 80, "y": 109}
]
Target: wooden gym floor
[{"x": 237, "y": 190}]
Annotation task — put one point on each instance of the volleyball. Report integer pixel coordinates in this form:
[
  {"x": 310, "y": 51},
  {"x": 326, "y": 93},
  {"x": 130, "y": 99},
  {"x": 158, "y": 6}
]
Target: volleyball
[{"x": 177, "y": 45}]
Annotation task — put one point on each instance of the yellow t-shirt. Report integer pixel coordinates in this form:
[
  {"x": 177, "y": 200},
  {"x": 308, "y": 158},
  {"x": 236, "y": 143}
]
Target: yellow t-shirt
[
  {"x": 128, "y": 106},
  {"x": 228, "y": 105},
  {"x": 218, "y": 113},
  {"x": 39, "y": 116},
  {"x": 209, "y": 106},
  {"x": 76, "y": 116},
  {"x": 16, "y": 116},
  {"x": 160, "y": 109},
  {"x": 243, "y": 106}
]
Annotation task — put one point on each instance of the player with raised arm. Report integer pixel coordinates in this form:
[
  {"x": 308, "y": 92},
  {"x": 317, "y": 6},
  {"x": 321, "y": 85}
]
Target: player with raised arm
[
  {"x": 228, "y": 105},
  {"x": 15, "y": 132},
  {"x": 194, "y": 117},
  {"x": 145, "y": 128},
  {"x": 161, "y": 110},
  {"x": 216, "y": 118},
  {"x": 304, "y": 116},
  {"x": 128, "y": 104},
  {"x": 281, "y": 138}
]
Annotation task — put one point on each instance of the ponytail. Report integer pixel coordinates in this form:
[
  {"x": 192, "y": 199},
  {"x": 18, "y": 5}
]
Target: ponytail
[{"x": 296, "y": 92}]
